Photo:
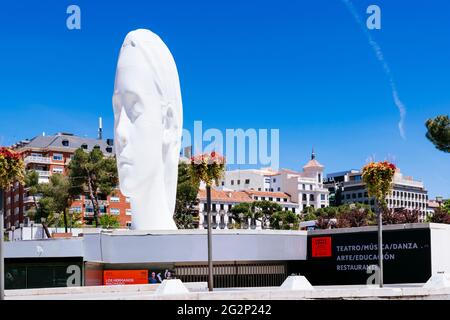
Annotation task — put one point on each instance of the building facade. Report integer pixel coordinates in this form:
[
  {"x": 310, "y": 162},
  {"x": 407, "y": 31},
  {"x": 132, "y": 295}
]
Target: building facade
[
  {"x": 49, "y": 155},
  {"x": 407, "y": 193},
  {"x": 304, "y": 188},
  {"x": 222, "y": 201}
]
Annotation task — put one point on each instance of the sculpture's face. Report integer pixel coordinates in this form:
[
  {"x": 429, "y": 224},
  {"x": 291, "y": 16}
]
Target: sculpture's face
[{"x": 138, "y": 122}]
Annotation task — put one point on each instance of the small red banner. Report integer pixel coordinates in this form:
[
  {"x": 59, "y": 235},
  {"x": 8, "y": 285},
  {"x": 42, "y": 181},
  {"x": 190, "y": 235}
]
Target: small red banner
[
  {"x": 321, "y": 247},
  {"x": 121, "y": 277}
]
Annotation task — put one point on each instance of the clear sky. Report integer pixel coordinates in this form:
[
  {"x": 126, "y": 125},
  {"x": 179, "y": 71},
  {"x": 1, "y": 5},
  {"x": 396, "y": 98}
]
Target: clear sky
[{"x": 304, "y": 67}]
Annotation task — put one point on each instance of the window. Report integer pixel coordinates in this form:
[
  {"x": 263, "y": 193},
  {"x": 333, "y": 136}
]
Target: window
[
  {"x": 293, "y": 210},
  {"x": 278, "y": 188},
  {"x": 256, "y": 198},
  {"x": 259, "y": 189},
  {"x": 128, "y": 224},
  {"x": 58, "y": 170},
  {"x": 304, "y": 197},
  {"x": 239, "y": 182},
  {"x": 114, "y": 211},
  {"x": 214, "y": 209},
  {"x": 128, "y": 212},
  {"x": 65, "y": 143},
  {"x": 222, "y": 206},
  {"x": 263, "y": 198},
  {"x": 247, "y": 181},
  {"x": 76, "y": 209},
  {"x": 16, "y": 210},
  {"x": 310, "y": 187},
  {"x": 232, "y": 182},
  {"x": 359, "y": 194},
  {"x": 274, "y": 180},
  {"x": 304, "y": 187},
  {"x": 114, "y": 199},
  {"x": 84, "y": 146},
  {"x": 278, "y": 199},
  {"x": 270, "y": 199},
  {"x": 223, "y": 183},
  {"x": 311, "y": 197},
  {"x": 322, "y": 197},
  {"x": 365, "y": 194},
  {"x": 347, "y": 196},
  {"x": 57, "y": 157},
  {"x": 353, "y": 195},
  {"x": 205, "y": 207},
  {"x": 109, "y": 149},
  {"x": 319, "y": 178},
  {"x": 285, "y": 199}
]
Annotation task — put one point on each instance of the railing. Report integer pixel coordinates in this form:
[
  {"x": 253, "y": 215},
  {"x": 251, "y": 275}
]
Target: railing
[{"x": 35, "y": 159}]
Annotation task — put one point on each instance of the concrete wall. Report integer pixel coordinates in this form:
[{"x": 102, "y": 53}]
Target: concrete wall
[
  {"x": 168, "y": 246},
  {"x": 440, "y": 248},
  {"x": 191, "y": 246},
  {"x": 45, "y": 248}
]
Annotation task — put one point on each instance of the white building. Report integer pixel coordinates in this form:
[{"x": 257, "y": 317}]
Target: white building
[
  {"x": 304, "y": 188},
  {"x": 223, "y": 200},
  {"x": 406, "y": 193}
]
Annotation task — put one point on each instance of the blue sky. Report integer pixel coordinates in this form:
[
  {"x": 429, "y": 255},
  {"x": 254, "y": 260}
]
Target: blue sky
[{"x": 304, "y": 67}]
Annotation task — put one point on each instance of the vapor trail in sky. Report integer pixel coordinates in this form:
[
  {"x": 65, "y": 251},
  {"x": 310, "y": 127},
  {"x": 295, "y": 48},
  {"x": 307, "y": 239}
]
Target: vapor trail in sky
[{"x": 379, "y": 54}]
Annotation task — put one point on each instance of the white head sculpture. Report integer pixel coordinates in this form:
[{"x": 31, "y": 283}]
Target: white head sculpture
[{"x": 148, "y": 127}]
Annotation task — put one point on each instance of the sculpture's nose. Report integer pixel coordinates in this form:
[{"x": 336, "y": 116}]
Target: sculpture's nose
[{"x": 121, "y": 130}]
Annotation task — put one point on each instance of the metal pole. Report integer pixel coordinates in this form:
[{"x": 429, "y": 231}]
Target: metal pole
[
  {"x": 380, "y": 245},
  {"x": 2, "y": 261},
  {"x": 210, "y": 263}
]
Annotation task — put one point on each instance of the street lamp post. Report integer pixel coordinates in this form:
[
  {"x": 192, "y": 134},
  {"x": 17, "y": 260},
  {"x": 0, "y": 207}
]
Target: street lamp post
[{"x": 210, "y": 264}]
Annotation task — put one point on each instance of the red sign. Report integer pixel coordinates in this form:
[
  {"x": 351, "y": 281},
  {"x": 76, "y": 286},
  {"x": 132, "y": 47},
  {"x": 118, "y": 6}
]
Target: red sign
[
  {"x": 120, "y": 277},
  {"x": 321, "y": 247}
]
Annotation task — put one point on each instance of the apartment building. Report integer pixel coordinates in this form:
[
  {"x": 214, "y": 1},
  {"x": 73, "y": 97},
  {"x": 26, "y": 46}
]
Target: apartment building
[
  {"x": 49, "y": 155},
  {"x": 407, "y": 193}
]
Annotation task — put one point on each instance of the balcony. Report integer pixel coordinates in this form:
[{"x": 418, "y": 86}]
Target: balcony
[
  {"x": 34, "y": 159},
  {"x": 43, "y": 174}
]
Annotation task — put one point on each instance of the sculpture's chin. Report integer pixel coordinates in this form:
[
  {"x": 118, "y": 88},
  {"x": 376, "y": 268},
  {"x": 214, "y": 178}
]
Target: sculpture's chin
[{"x": 126, "y": 188}]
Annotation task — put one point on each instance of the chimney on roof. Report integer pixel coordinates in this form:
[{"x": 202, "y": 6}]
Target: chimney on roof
[{"x": 100, "y": 128}]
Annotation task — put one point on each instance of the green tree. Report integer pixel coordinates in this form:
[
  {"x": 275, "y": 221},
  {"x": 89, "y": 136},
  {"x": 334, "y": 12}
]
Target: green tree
[
  {"x": 263, "y": 210},
  {"x": 241, "y": 211},
  {"x": 446, "y": 206},
  {"x": 94, "y": 173},
  {"x": 109, "y": 221},
  {"x": 32, "y": 183},
  {"x": 56, "y": 197},
  {"x": 284, "y": 220},
  {"x": 186, "y": 200},
  {"x": 438, "y": 132}
]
